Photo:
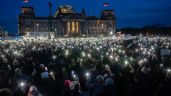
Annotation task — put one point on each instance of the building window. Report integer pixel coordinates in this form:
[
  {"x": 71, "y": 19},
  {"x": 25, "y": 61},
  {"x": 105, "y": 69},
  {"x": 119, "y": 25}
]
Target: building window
[
  {"x": 69, "y": 26},
  {"x": 77, "y": 26},
  {"x": 73, "y": 26}
]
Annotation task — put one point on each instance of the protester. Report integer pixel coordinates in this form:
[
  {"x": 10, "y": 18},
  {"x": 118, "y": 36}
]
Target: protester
[{"x": 89, "y": 66}]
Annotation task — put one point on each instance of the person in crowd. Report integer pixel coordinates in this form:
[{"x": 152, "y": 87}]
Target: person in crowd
[
  {"x": 99, "y": 86},
  {"x": 6, "y": 92},
  {"x": 100, "y": 66},
  {"x": 33, "y": 91}
]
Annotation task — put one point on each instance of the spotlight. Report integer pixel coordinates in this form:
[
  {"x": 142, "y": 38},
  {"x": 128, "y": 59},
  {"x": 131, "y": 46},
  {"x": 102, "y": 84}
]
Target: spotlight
[
  {"x": 51, "y": 73},
  {"x": 168, "y": 70},
  {"x": 22, "y": 84},
  {"x": 87, "y": 74},
  {"x": 53, "y": 57},
  {"x": 89, "y": 55}
]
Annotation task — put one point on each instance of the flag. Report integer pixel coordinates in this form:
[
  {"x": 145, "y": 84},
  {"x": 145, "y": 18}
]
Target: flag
[
  {"x": 105, "y": 4},
  {"x": 25, "y": 1}
]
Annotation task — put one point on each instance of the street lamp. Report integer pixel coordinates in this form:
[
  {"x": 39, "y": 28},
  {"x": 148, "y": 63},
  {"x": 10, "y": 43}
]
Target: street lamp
[
  {"x": 37, "y": 27},
  {"x": 55, "y": 32},
  {"x": 50, "y": 19}
]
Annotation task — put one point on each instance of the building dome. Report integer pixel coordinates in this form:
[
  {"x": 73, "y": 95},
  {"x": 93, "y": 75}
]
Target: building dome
[{"x": 64, "y": 9}]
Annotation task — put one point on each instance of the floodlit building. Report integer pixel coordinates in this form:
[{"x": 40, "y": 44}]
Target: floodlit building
[{"x": 66, "y": 22}]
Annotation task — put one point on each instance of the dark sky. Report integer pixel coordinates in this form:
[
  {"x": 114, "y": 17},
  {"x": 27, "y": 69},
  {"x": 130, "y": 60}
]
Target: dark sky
[{"x": 133, "y": 13}]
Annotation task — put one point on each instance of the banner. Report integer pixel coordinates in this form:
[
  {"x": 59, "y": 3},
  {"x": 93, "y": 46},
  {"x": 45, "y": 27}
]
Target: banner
[{"x": 164, "y": 52}]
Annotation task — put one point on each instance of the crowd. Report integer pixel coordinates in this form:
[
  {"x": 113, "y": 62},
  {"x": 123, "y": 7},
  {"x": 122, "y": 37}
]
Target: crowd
[{"x": 86, "y": 67}]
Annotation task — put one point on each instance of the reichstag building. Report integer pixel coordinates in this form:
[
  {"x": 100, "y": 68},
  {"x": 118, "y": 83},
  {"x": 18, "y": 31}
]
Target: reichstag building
[{"x": 66, "y": 22}]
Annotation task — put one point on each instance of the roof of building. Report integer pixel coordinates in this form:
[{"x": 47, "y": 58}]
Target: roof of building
[
  {"x": 64, "y": 9},
  {"x": 108, "y": 10},
  {"x": 27, "y": 7},
  {"x": 68, "y": 12},
  {"x": 92, "y": 18}
]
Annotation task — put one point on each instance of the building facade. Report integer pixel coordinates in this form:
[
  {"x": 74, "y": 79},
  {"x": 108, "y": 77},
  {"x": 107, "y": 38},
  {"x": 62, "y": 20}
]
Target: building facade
[{"x": 67, "y": 22}]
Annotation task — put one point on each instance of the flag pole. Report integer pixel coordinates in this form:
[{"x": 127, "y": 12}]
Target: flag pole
[{"x": 50, "y": 19}]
